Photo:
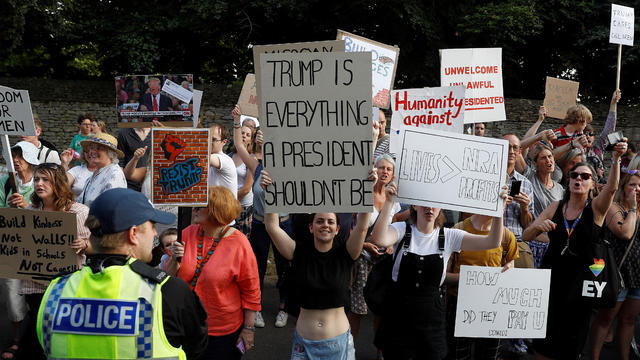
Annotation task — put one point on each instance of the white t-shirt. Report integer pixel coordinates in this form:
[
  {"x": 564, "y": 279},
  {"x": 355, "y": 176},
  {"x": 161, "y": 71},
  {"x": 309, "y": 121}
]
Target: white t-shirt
[
  {"x": 225, "y": 176},
  {"x": 241, "y": 171},
  {"x": 427, "y": 244},
  {"x": 80, "y": 175}
]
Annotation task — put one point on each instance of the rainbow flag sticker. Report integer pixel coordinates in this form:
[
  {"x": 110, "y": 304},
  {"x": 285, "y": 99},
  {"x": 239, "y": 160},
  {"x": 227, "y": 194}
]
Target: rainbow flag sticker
[{"x": 596, "y": 268}]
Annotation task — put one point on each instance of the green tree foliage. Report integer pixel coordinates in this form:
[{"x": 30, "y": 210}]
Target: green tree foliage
[{"x": 213, "y": 39}]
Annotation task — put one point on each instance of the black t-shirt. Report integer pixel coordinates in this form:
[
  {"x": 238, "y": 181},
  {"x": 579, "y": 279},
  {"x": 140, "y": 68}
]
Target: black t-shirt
[
  {"x": 321, "y": 279},
  {"x": 128, "y": 143}
]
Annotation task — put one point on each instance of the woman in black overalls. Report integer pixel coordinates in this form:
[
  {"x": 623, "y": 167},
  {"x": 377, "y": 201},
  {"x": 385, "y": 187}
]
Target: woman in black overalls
[{"x": 414, "y": 327}]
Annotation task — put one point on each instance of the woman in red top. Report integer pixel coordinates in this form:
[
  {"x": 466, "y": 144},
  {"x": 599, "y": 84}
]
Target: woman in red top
[{"x": 218, "y": 263}]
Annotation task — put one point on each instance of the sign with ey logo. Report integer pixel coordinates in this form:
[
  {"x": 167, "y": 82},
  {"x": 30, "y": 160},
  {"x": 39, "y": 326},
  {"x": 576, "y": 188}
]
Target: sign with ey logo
[{"x": 180, "y": 166}]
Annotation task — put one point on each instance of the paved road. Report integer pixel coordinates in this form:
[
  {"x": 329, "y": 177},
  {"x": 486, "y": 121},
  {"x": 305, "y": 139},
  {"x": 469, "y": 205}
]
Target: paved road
[{"x": 273, "y": 343}]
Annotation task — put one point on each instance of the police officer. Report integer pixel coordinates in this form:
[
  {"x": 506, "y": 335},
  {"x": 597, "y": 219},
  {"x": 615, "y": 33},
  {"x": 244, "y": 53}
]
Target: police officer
[{"x": 117, "y": 307}]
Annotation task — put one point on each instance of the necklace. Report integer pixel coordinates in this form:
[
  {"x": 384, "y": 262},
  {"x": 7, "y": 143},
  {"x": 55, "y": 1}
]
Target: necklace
[{"x": 203, "y": 258}]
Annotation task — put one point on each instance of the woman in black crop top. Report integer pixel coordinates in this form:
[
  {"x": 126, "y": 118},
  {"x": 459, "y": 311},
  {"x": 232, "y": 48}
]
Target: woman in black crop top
[
  {"x": 572, "y": 225},
  {"x": 322, "y": 275}
]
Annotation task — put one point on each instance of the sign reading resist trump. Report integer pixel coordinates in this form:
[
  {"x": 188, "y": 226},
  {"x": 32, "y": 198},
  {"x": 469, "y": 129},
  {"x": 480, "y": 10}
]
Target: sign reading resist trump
[
  {"x": 480, "y": 72},
  {"x": 316, "y": 114}
]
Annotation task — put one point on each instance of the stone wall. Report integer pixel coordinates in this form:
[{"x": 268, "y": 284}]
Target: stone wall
[{"x": 59, "y": 102}]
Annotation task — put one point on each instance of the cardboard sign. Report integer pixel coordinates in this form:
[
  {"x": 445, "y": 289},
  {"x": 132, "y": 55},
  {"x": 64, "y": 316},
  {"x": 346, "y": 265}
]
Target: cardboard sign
[
  {"x": 622, "y": 25},
  {"x": 480, "y": 72},
  {"x": 180, "y": 166},
  {"x": 16, "y": 117},
  {"x": 317, "y": 122},
  {"x": 559, "y": 95},
  {"x": 384, "y": 62},
  {"x": 502, "y": 305},
  {"x": 36, "y": 245},
  {"x": 137, "y": 107},
  {"x": 197, "y": 100},
  {"x": 439, "y": 108},
  {"x": 248, "y": 99},
  {"x": 450, "y": 171}
]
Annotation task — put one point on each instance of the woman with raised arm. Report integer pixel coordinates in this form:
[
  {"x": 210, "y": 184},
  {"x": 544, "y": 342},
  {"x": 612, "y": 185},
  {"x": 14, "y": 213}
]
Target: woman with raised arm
[
  {"x": 572, "y": 225},
  {"x": 322, "y": 273},
  {"x": 414, "y": 326}
]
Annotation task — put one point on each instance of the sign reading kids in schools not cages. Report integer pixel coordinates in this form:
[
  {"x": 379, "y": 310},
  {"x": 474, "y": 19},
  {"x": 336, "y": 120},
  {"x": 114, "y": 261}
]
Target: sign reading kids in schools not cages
[
  {"x": 180, "y": 166},
  {"x": 480, "y": 72},
  {"x": 450, "y": 171},
  {"x": 439, "y": 108},
  {"x": 384, "y": 62},
  {"x": 316, "y": 114},
  {"x": 502, "y": 305}
]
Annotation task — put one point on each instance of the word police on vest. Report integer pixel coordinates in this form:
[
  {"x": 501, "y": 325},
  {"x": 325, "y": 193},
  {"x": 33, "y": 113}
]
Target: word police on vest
[
  {"x": 593, "y": 288},
  {"x": 96, "y": 317}
]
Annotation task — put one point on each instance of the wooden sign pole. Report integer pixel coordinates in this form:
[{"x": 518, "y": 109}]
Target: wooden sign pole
[{"x": 619, "y": 62}]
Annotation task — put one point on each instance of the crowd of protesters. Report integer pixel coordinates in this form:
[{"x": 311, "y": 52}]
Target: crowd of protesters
[{"x": 568, "y": 199}]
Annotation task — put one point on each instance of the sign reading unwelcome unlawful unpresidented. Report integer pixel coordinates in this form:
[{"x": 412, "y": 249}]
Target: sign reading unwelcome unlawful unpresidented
[{"x": 316, "y": 114}]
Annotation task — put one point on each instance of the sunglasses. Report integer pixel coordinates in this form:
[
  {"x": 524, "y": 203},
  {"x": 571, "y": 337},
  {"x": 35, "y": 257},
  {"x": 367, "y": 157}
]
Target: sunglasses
[
  {"x": 52, "y": 166},
  {"x": 590, "y": 134},
  {"x": 632, "y": 172},
  {"x": 585, "y": 176}
]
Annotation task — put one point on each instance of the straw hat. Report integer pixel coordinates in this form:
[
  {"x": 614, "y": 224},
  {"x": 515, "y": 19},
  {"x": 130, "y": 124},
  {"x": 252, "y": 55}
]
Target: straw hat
[{"x": 105, "y": 140}]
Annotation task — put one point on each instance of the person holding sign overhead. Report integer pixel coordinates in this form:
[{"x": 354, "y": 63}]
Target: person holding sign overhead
[
  {"x": 414, "y": 326},
  {"x": 573, "y": 225},
  {"x": 322, "y": 273}
]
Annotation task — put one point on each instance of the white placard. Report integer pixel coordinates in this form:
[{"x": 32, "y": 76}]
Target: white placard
[
  {"x": 439, "y": 108},
  {"x": 450, "y": 171},
  {"x": 16, "y": 117},
  {"x": 622, "y": 25},
  {"x": 197, "y": 101},
  {"x": 384, "y": 62},
  {"x": 507, "y": 305},
  {"x": 480, "y": 72},
  {"x": 177, "y": 91},
  {"x": 315, "y": 112}
]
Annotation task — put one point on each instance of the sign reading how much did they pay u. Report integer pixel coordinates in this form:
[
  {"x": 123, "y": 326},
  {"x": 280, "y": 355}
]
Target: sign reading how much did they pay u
[{"x": 315, "y": 111}]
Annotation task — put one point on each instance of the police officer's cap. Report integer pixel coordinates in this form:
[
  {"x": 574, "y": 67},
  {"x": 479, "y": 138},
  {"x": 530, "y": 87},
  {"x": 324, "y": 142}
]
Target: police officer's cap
[{"x": 120, "y": 209}]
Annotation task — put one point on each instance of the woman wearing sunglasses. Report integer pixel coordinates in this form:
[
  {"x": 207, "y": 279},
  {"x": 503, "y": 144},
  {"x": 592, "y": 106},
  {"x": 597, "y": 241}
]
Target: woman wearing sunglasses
[{"x": 572, "y": 224}]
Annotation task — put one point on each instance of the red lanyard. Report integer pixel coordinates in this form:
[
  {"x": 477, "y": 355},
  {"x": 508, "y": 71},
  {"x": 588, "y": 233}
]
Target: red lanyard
[{"x": 202, "y": 258}]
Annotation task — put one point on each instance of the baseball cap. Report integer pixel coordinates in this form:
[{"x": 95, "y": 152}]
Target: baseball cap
[
  {"x": 29, "y": 152},
  {"x": 120, "y": 209}
]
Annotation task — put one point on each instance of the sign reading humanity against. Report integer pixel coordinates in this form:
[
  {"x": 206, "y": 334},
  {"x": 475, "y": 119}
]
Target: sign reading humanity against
[
  {"x": 559, "y": 95},
  {"x": 315, "y": 111},
  {"x": 506, "y": 305},
  {"x": 36, "y": 245},
  {"x": 180, "y": 168},
  {"x": 480, "y": 72},
  {"x": 16, "y": 117},
  {"x": 248, "y": 99},
  {"x": 384, "y": 61},
  {"x": 449, "y": 171},
  {"x": 440, "y": 108},
  {"x": 622, "y": 25}
]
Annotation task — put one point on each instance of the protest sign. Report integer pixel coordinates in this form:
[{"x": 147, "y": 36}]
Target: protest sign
[
  {"x": 180, "y": 166},
  {"x": 622, "y": 25},
  {"x": 439, "y": 108},
  {"x": 384, "y": 62},
  {"x": 197, "y": 100},
  {"x": 480, "y": 72},
  {"x": 316, "y": 117},
  {"x": 141, "y": 99},
  {"x": 559, "y": 95},
  {"x": 448, "y": 170},
  {"x": 36, "y": 245},
  {"x": 16, "y": 117},
  {"x": 248, "y": 99},
  {"x": 502, "y": 305}
]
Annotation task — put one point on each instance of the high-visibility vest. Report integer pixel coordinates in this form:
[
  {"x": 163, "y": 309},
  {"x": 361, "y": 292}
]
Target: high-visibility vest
[{"x": 113, "y": 314}]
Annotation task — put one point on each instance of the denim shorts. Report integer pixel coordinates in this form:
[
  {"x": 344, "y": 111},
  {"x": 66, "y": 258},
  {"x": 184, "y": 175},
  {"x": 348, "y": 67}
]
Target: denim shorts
[
  {"x": 335, "y": 348},
  {"x": 633, "y": 293}
]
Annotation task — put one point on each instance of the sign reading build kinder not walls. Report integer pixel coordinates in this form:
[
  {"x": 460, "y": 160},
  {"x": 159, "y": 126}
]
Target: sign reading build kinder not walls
[
  {"x": 480, "y": 72},
  {"x": 180, "y": 166}
]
